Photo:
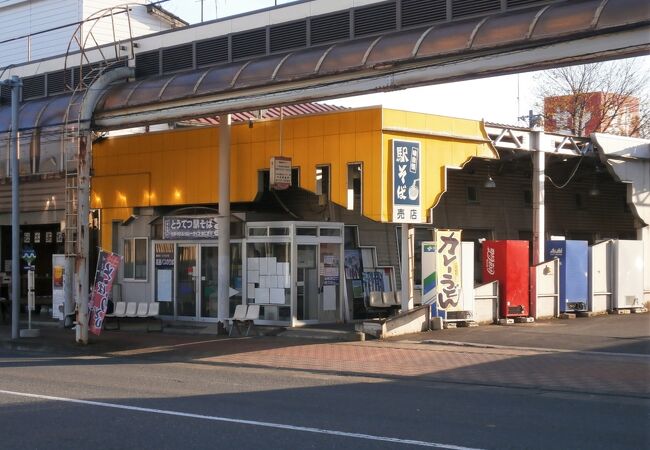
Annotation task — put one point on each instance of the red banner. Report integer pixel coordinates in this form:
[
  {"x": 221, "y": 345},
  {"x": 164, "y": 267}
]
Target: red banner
[{"x": 107, "y": 265}]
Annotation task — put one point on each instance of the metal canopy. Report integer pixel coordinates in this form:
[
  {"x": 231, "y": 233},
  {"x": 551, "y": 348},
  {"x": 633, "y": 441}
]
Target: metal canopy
[{"x": 359, "y": 59}]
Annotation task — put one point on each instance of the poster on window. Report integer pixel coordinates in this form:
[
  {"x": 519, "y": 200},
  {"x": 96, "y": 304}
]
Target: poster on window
[
  {"x": 448, "y": 269},
  {"x": 58, "y": 280},
  {"x": 107, "y": 266},
  {"x": 164, "y": 267},
  {"x": 352, "y": 264},
  {"x": 407, "y": 196}
]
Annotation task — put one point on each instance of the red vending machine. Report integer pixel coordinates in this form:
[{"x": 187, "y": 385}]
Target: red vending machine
[{"x": 507, "y": 262}]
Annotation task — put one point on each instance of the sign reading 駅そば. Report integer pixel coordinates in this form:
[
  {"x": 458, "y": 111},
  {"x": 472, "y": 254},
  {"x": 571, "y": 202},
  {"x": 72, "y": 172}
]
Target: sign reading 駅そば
[{"x": 407, "y": 204}]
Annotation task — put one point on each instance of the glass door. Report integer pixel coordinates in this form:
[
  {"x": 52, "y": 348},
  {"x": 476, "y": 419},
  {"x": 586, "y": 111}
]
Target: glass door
[
  {"x": 307, "y": 288},
  {"x": 187, "y": 275},
  {"x": 209, "y": 265}
]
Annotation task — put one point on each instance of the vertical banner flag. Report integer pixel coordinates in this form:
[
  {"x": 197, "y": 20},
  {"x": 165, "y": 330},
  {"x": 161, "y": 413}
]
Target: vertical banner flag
[
  {"x": 407, "y": 207},
  {"x": 448, "y": 267},
  {"x": 107, "y": 265}
]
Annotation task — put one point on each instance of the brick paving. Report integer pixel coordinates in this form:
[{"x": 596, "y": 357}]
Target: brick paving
[{"x": 566, "y": 371}]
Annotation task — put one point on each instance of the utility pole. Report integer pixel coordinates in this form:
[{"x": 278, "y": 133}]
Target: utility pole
[
  {"x": 538, "y": 178},
  {"x": 15, "y": 85}
]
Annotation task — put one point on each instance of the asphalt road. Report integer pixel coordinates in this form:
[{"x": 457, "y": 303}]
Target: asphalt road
[{"x": 117, "y": 402}]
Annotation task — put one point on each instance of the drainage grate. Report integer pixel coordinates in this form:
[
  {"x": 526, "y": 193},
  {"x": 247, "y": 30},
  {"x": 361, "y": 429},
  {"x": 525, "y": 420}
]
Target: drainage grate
[
  {"x": 33, "y": 87},
  {"x": 461, "y": 8},
  {"x": 147, "y": 64},
  {"x": 288, "y": 36},
  {"x": 333, "y": 27},
  {"x": 419, "y": 12},
  {"x": 177, "y": 58},
  {"x": 249, "y": 43},
  {"x": 374, "y": 19},
  {"x": 212, "y": 51}
]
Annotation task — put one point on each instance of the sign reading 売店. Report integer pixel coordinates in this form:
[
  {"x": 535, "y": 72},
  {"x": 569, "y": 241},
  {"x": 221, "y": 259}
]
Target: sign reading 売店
[
  {"x": 205, "y": 227},
  {"x": 407, "y": 195}
]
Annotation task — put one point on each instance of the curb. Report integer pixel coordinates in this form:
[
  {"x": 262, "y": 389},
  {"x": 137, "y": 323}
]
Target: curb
[{"x": 529, "y": 349}]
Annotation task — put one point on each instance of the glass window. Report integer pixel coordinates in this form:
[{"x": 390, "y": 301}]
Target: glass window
[
  {"x": 306, "y": 231},
  {"x": 330, "y": 231},
  {"x": 351, "y": 233},
  {"x": 268, "y": 275},
  {"x": 278, "y": 231},
  {"x": 257, "y": 231},
  {"x": 135, "y": 258}
]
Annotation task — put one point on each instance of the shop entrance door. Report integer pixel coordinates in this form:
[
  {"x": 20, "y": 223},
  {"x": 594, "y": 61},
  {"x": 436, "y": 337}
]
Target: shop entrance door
[
  {"x": 187, "y": 274},
  {"x": 208, "y": 283},
  {"x": 196, "y": 287},
  {"x": 307, "y": 289}
]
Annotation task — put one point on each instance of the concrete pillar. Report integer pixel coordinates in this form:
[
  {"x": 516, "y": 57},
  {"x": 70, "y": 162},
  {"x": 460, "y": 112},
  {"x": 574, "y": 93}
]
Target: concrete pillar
[
  {"x": 223, "y": 271},
  {"x": 405, "y": 270},
  {"x": 538, "y": 178},
  {"x": 15, "y": 84}
]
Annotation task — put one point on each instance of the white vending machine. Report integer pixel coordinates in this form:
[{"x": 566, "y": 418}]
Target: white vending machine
[{"x": 628, "y": 274}]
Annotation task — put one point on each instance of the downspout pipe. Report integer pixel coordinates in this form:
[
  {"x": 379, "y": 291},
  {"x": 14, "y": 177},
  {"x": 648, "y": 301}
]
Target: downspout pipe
[{"x": 89, "y": 102}]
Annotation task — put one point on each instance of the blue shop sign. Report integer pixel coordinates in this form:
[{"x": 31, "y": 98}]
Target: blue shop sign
[{"x": 407, "y": 206}]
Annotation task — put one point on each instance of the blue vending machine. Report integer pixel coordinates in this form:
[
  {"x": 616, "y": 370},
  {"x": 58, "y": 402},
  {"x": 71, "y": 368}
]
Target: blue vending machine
[{"x": 574, "y": 269}]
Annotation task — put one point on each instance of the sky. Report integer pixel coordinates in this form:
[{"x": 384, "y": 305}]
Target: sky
[{"x": 503, "y": 99}]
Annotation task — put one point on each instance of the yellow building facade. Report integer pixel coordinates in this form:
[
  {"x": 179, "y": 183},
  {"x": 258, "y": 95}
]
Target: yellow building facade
[{"x": 180, "y": 167}]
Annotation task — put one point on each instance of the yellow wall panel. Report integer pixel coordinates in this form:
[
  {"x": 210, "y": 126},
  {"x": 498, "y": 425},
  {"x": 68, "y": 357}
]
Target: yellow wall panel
[{"x": 181, "y": 166}]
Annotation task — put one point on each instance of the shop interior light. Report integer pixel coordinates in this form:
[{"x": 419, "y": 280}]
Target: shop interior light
[{"x": 489, "y": 183}]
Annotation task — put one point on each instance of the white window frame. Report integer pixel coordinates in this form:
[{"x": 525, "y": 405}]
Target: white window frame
[{"x": 133, "y": 258}]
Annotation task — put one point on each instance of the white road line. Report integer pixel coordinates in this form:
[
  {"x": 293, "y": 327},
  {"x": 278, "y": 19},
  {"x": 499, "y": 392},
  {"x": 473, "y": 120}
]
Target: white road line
[{"x": 243, "y": 421}]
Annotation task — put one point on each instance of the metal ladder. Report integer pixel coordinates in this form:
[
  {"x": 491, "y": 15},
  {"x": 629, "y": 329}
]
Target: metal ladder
[{"x": 71, "y": 205}]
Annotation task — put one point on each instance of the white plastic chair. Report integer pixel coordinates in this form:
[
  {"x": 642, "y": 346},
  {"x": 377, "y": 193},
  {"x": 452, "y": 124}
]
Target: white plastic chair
[
  {"x": 154, "y": 312},
  {"x": 131, "y": 309},
  {"x": 375, "y": 300},
  {"x": 238, "y": 316},
  {"x": 388, "y": 298},
  {"x": 143, "y": 309},
  {"x": 119, "y": 310},
  {"x": 252, "y": 315}
]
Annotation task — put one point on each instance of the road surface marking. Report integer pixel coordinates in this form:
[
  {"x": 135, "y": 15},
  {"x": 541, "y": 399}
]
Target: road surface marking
[{"x": 280, "y": 426}]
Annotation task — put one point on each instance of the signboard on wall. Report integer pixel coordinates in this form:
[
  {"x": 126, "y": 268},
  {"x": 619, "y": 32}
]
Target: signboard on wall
[
  {"x": 58, "y": 280},
  {"x": 448, "y": 269},
  {"x": 407, "y": 196},
  {"x": 280, "y": 173},
  {"x": 177, "y": 227}
]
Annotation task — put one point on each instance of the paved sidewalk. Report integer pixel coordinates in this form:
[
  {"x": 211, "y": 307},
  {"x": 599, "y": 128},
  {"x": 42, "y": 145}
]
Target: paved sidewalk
[{"x": 627, "y": 375}]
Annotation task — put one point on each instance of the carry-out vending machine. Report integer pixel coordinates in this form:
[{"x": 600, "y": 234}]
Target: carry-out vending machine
[
  {"x": 507, "y": 262},
  {"x": 574, "y": 272}
]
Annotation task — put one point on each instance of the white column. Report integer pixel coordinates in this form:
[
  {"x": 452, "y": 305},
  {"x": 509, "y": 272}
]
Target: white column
[
  {"x": 539, "y": 168},
  {"x": 15, "y": 84},
  {"x": 223, "y": 271},
  {"x": 405, "y": 270}
]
